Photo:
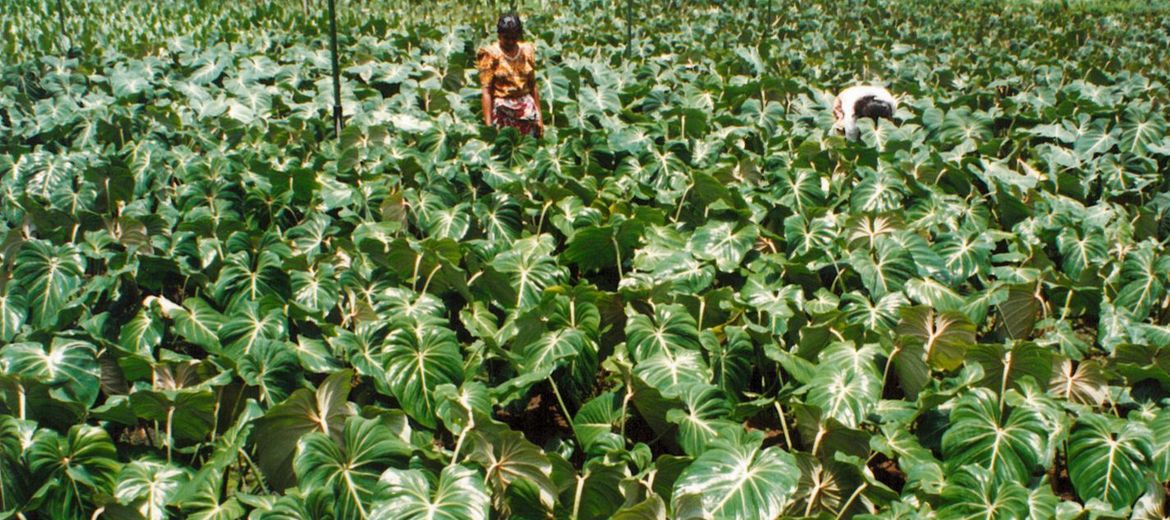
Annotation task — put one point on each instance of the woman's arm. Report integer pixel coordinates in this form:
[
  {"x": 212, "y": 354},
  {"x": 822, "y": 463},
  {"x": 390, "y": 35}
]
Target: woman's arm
[
  {"x": 486, "y": 101},
  {"x": 485, "y": 62},
  {"x": 539, "y": 112}
]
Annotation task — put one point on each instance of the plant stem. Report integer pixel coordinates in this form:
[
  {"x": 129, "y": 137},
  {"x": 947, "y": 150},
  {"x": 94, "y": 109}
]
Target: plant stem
[
  {"x": 427, "y": 283},
  {"x": 170, "y": 431},
  {"x": 625, "y": 410},
  {"x": 459, "y": 442},
  {"x": 577, "y": 497},
  {"x": 783, "y": 424},
  {"x": 564, "y": 409},
  {"x": 852, "y": 497},
  {"x": 889, "y": 362},
  {"x": 20, "y": 404}
]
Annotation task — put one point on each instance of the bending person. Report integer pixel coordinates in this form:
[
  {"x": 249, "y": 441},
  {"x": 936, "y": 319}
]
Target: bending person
[{"x": 861, "y": 101}]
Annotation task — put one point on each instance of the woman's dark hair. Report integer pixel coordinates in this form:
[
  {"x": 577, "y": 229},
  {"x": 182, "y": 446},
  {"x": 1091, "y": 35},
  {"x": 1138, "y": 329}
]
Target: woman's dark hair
[
  {"x": 510, "y": 25},
  {"x": 873, "y": 108}
]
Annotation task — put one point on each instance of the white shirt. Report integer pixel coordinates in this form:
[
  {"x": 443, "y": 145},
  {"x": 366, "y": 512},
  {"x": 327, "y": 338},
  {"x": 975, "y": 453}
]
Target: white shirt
[{"x": 845, "y": 102}]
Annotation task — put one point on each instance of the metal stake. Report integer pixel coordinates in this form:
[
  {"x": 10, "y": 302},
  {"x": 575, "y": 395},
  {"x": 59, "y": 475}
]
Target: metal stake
[
  {"x": 61, "y": 19},
  {"x": 337, "y": 121},
  {"x": 629, "y": 25}
]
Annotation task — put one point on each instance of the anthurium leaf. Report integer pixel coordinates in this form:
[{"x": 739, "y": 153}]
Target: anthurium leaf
[
  {"x": 826, "y": 487},
  {"x": 458, "y": 408},
  {"x": 732, "y": 360},
  {"x": 1160, "y": 428},
  {"x": 909, "y": 363},
  {"x": 529, "y": 269},
  {"x": 670, "y": 329},
  {"x": 705, "y": 415},
  {"x": 149, "y": 487},
  {"x": 763, "y": 292},
  {"x": 974, "y": 492},
  {"x": 1142, "y": 272},
  {"x": 598, "y": 247},
  {"x": 49, "y": 275},
  {"x": 73, "y": 470},
  {"x": 351, "y": 469},
  {"x": 653, "y": 508},
  {"x": 740, "y": 481},
  {"x": 407, "y": 494},
  {"x": 1004, "y": 366},
  {"x": 884, "y": 269},
  {"x": 1006, "y": 442},
  {"x": 198, "y": 322},
  {"x": 1107, "y": 459},
  {"x": 272, "y": 367},
  {"x": 595, "y": 422},
  {"x": 723, "y": 242},
  {"x": 507, "y": 457},
  {"x": 1085, "y": 384},
  {"x": 14, "y": 477},
  {"x": 200, "y": 498},
  {"x": 68, "y": 366},
  {"x": 846, "y": 386},
  {"x": 826, "y": 436},
  {"x": 673, "y": 371},
  {"x": 553, "y": 349},
  {"x": 142, "y": 333},
  {"x": 275, "y": 435},
  {"x": 597, "y": 492},
  {"x": 944, "y": 337},
  {"x": 1080, "y": 251},
  {"x": 190, "y": 412},
  {"x": 420, "y": 356},
  {"x": 13, "y": 311},
  {"x": 315, "y": 288},
  {"x": 252, "y": 322},
  {"x": 1020, "y": 311}
]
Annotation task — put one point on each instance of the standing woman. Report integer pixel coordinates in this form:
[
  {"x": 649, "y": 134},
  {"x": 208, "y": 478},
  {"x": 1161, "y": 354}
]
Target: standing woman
[{"x": 507, "y": 71}]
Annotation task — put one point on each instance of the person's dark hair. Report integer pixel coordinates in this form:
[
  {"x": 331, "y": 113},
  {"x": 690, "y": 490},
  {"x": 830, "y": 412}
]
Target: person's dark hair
[
  {"x": 510, "y": 25},
  {"x": 873, "y": 108}
]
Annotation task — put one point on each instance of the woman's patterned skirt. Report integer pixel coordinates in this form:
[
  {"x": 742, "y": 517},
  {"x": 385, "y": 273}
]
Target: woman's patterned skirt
[{"x": 518, "y": 113}]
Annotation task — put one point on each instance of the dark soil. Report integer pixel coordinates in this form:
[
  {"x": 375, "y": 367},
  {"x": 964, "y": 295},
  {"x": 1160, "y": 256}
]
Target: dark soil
[
  {"x": 540, "y": 419},
  {"x": 887, "y": 472}
]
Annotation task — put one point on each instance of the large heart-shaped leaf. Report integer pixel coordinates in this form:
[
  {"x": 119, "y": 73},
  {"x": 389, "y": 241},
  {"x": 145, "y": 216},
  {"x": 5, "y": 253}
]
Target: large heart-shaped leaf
[
  {"x": 276, "y": 435},
  {"x": 1006, "y": 442},
  {"x": 13, "y": 311},
  {"x": 846, "y": 385},
  {"x": 740, "y": 480},
  {"x": 723, "y": 242},
  {"x": 943, "y": 337},
  {"x": 458, "y": 495},
  {"x": 49, "y": 275},
  {"x": 670, "y": 329},
  {"x": 349, "y": 470},
  {"x": 1006, "y": 367},
  {"x": 420, "y": 356},
  {"x": 508, "y": 458},
  {"x": 702, "y": 420},
  {"x": 73, "y": 470},
  {"x": 529, "y": 269},
  {"x": 69, "y": 366},
  {"x": 1107, "y": 459},
  {"x": 884, "y": 269},
  {"x": 975, "y": 493},
  {"x": 149, "y": 486}
]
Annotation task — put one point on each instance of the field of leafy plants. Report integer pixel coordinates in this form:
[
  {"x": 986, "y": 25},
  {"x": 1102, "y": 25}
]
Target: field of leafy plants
[{"x": 689, "y": 300}]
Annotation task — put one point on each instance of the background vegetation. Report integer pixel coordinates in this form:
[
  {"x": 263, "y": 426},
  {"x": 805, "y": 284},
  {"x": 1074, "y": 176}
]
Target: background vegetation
[{"x": 689, "y": 301}]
